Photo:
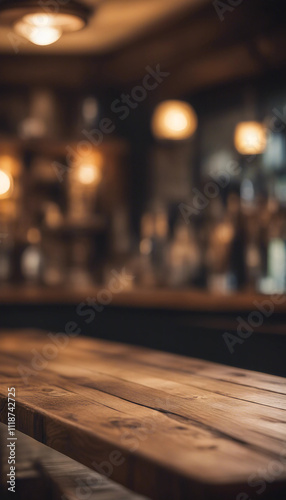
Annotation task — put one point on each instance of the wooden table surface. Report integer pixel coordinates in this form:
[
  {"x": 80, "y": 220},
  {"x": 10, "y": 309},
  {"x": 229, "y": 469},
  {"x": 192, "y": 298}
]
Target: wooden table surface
[{"x": 166, "y": 426}]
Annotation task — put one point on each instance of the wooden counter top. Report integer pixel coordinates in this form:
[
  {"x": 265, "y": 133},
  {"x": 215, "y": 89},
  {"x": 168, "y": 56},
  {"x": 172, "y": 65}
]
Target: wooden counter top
[
  {"x": 160, "y": 298},
  {"x": 166, "y": 426}
]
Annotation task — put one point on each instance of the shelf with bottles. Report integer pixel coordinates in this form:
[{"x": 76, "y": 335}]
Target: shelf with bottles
[
  {"x": 56, "y": 214},
  {"x": 227, "y": 247},
  {"x": 93, "y": 223}
]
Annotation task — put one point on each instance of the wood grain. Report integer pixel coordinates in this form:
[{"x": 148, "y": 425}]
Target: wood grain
[
  {"x": 44, "y": 473},
  {"x": 189, "y": 426},
  {"x": 73, "y": 481},
  {"x": 30, "y": 483}
]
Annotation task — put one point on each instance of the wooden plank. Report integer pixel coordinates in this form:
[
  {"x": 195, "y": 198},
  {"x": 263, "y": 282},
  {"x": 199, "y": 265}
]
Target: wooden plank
[
  {"x": 44, "y": 473},
  {"x": 71, "y": 481},
  {"x": 30, "y": 483},
  {"x": 192, "y": 424}
]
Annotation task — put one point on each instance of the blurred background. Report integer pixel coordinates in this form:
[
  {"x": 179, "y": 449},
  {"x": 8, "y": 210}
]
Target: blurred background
[{"x": 143, "y": 167}]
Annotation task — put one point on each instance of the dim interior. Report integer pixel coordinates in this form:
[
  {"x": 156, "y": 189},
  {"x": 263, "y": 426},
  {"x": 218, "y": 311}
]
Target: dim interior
[
  {"x": 143, "y": 203},
  {"x": 149, "y": 150}
]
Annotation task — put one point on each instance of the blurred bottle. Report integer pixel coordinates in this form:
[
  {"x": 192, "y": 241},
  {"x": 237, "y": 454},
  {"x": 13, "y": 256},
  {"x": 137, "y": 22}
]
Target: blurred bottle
[
  {"x": 86, "y": 115},
  {"x": 253, "y": 254},
  {"x": 219, "y": 278},
  {"x": 154, "y": 231},
  {"x": 79, "y": 270},
  {"x": 160, "y": 242},
  {"x": 6, "y": 253},
  {"x": 54, "y": 246},
  {"x": 223, "y": 270},
  {"x": 55, "y": 261},
  {"x": 145, "y": 266},
  {"x": 184, "y": 256},
  {"x": 43, "y": 118},
  {"x": 276, "y": 256},
  {"x": 237, "y": 265},
  {"x": 32, "y": 259}
]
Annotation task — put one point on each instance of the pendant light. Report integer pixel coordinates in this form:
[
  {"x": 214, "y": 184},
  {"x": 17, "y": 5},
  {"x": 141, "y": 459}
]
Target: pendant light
[
  {"x": 250, "y": 138},
  {"x": 174, "y": 120},
  {"x": 250, "y": 135}
]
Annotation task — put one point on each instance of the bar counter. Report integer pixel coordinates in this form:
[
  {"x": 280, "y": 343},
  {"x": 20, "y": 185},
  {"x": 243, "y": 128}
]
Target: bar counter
[
  {"x": 154, "y": 298},
  {"x": 189, "y": 322}
]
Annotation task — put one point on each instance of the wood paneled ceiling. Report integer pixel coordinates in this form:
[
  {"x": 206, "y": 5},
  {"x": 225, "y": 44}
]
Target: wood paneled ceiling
[{"x": 186, "y": 37}]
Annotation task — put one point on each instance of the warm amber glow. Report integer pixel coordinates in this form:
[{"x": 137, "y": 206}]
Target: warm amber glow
[
  {"x": 174, "y": 120},
  {"x": 88, "y": 174},
  {"x": 33, "y": 235},
  {"x": 224, "y": 233},
  {"x": 39, "y": 36},
  {"x": 146, "y": 246},
  {"x": 250, "y": 138},
  {"x": 86, "y": 170},
  {"x": 65, "y": 22},
  {"x": 10, "y": 165},
  {"x": 45, "y": 29},
  {"x": 5, "y": 184}
]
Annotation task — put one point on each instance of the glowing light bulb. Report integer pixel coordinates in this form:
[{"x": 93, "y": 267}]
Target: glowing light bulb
[
  {"x": 5, "y": 184},
  {"x": 39, "y": 35},
  {"x": 45, "y": 29},
  {"x": 88, "y": 174},
  {"x": 250, "y": 138},
  {"x": 175, "y": 120},
  {"x": 44, "y": 36}
]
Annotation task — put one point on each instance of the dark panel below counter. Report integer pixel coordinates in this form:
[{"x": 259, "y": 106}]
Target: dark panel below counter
[{"x": 182, "y": 332}]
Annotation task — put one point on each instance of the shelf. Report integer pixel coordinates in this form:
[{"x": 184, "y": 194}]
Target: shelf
[
  {"x": 92, "y": 224},
  {"x": 54, "y": 147}
]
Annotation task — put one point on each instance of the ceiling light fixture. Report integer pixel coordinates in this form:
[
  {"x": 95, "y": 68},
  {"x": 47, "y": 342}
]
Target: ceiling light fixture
[{"x": 43, "y": 25}]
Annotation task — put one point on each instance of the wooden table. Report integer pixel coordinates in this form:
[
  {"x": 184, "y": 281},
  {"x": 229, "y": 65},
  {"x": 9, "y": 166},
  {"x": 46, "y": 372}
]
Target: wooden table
[{"x": 163, "y": 425}]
